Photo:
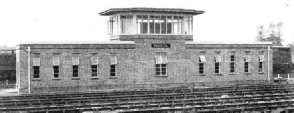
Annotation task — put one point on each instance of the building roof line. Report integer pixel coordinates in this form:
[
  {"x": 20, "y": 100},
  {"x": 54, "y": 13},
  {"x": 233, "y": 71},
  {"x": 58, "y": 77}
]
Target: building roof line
[
  {"x": 154, "y": 10},
  {"x": 281, "y": 47},
  {"x": 192, "y": 42},
  {"x": 80, "y": 42}
]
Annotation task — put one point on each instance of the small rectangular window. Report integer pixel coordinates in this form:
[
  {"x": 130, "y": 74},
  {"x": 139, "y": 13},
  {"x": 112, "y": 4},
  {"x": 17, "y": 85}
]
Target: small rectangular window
[
  {"x": 232, "y": 58},
  {"x": 94, "y": 69},
  {"x": 201, "y": 68},
  {"x": 75, "y": 71},
  {"x": 36, "y": 71},
  {"x": 36, "y": 65},
  {"x": 217, "y": 64},
  {"x": 246, "y": 67},
  {"x": 113, "y": 70},
  {"x": 113, "y": 62},
  {"x": 56, "y": 71},
  {"x": 261, "y": 59},
  {"x": 232, "y": 64},
  {"x": 247, "y": 59},
  {"x": 161, "y": 63},
  {"x": 160, "y": 69},
  {"x": 232, "y": 67},
  {"x": 157, "y": 69},
  {"x": 260, "y": 67},
  {"x": 216, "y": 70},
  {"x": 202, "y": 60}
]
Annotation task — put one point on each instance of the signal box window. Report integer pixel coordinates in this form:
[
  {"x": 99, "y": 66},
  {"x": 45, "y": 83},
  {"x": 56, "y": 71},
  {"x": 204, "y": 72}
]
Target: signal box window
[
  {"x": 142, "y": 24},
  {"x": 126, "y": 24},
  {"x": 162, "y": 24}
]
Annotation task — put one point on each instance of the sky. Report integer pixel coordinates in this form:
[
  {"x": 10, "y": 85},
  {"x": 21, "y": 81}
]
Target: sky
[{"x": 78, "y": 20}]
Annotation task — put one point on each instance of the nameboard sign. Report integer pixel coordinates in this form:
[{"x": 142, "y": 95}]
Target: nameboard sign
[{"x": 160, "y": 45}]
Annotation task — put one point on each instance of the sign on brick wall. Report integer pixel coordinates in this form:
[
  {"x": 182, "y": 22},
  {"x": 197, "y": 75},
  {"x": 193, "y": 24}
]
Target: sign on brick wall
[{"x": 160, "y": 45}]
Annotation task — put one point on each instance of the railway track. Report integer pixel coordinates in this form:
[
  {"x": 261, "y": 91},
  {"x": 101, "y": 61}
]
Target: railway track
[{"x": 242, "y": 98}]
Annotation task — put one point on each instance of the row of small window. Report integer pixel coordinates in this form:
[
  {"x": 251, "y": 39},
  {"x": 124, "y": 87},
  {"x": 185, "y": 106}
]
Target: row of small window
[
  {"x": 75, "y": 63},
  {"x": 75, "y": 71},
  {"x": 151, "y": 24},
  {"x": 160, "y": 65},
  {"x": 217, "y": 64}
]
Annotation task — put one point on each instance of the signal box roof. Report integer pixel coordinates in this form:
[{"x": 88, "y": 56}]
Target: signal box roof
[{"x": 113, "y": 11}]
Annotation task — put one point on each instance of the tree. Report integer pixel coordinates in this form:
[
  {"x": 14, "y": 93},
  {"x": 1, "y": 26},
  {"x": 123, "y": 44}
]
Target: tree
[{"x": 272, "y": 34}]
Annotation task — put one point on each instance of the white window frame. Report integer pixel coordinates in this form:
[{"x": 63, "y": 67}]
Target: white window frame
[
  {"x": 161, "y": 64},
  {"x": 36, "y": 64},
  {"x": 217, "y": 60},
  {"x": 202, "y": 60},
  {"x": 113, "y": 62},
  {"x": 234, "y": 65},
  {"x": 247, "y": 59},
  {"x": 261, "y": 59}
]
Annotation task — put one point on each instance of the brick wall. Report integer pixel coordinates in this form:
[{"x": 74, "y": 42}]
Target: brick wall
[
  {"x": 239, "y": 74},
  {"x": 135, "y": 64}
]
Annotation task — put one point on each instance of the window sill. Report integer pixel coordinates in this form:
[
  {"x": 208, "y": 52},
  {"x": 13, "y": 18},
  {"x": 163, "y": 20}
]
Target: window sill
[
  {"x": 218, "y": 74},
  {"x": 94, "y": 78},
  {"x": 36, "y": 79},
  {"x": 113, "y": 77},
  {"x": 247, "y": 73},
  {"x": 75, "y": 78},
  {"x": 161, "y": 76},
  {"x": 56, "y": 79},
  {"x": 201, "y": 74}
]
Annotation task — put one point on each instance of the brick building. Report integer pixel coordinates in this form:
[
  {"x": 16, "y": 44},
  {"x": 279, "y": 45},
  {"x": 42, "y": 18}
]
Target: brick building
[{"x": 149, "y": 47}]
